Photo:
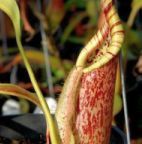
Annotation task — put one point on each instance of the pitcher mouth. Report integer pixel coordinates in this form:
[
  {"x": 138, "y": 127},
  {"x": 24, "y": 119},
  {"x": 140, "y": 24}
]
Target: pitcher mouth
[
  {"x": 99, "y": 52},
  {"x": 105, "y": 44}
]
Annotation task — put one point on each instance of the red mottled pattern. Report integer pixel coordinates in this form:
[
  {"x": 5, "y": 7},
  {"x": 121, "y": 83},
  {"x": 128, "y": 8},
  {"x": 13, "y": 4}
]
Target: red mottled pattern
[{"x": 94, "y": 112}]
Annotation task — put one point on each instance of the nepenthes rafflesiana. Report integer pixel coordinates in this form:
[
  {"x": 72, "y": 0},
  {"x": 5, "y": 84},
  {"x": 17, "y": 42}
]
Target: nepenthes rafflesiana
[{"x": 77, "y": 109}]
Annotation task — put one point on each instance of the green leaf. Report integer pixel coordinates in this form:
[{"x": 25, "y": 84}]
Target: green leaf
[
  {"x": 117, "y": 106},
  {"x": 13, "y": 90},
  {"x": 136, "y": 6},
  {"x": 10, "y": 7}
]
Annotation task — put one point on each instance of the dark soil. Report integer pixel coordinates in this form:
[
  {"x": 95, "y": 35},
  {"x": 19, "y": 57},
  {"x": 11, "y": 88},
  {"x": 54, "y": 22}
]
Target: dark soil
[{"x": 3, "y": 140}]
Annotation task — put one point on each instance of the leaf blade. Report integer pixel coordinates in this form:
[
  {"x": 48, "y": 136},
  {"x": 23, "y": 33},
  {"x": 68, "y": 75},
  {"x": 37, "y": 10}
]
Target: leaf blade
[
  {"x": 14, "y": 90},
  {"x": 11, "y": 9}
]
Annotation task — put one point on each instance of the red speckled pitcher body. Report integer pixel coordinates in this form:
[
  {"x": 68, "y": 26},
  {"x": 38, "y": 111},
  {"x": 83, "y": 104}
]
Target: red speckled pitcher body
[{"x": 95, "y": 103}]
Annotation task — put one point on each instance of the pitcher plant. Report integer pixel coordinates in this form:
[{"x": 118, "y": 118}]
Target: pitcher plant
[{"x": 84, "y": 111}]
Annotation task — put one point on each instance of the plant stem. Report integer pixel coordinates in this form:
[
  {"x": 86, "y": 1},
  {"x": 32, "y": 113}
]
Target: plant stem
[{"x": 48, "y": 117}]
